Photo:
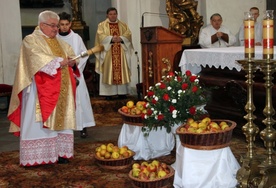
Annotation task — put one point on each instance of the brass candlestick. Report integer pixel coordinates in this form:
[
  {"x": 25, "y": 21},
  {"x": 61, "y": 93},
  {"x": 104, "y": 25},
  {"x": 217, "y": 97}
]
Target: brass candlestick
[
  {"x": 268, "y": 135},
  {"x": 249, "y": 170}
]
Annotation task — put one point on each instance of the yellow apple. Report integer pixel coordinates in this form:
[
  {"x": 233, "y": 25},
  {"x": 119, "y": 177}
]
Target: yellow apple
[
  {"x": 161, "y": 173},
  {"x": 136, "y": 165},
  {"x": 115, "y": 155},
  {"x": 140, "y": 105},
  {"x": 103, "y": 146},
  {"x": 135, "y": 172},
  {"x": 103, "y": 152},
  {"x": 224, "y": 126},
  {"x": 194, "y": 125},
  {"x": 214, "y": 125},
  {"x": 156, "y": 163},
  {"x": 182, "y": 129},
  {"x": 98, "y": 154},
  {"x": 130, "y": 104},
  {"x": 190, "y": 120},
  {"x": 202, "y": 125},
  {"x": 152, "y": 176},
  {"x": 109, "y": 147},
  {"x": 206, "y": 120},
  {"x": 107, "y": 155},
  {"x": 122, "y": 150}
]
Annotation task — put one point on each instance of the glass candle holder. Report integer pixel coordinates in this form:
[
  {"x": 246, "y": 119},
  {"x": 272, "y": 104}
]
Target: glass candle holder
[
  {"x": 268, "y": 31},
  {"x": 249, "y": 35}
]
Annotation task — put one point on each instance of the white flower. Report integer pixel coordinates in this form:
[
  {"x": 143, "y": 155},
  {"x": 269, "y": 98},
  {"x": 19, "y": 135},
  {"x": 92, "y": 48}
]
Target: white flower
[
  {"x": 174, "y": 101},
  {"x": 179, "y": 91},
  {"x": 174, "y": 112},
  {"x": 158, "y": 84},
  {"x": 174, "y": 116},
  {"x": 156, "y": 98},
  {"x": 169, "y": 88}
]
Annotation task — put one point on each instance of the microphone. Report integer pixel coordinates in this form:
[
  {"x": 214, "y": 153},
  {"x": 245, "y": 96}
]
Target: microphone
[
  {"x": 155, "y": 13},
  {"x": 136, "y": 53}
]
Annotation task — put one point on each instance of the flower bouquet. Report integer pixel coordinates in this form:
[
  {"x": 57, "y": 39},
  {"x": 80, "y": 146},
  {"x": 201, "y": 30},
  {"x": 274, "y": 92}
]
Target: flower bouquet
[{"x": 173, "y": 100}]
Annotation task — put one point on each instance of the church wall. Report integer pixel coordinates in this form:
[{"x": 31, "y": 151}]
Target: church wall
[
  {"x": 10, "y": 40},
  {"x": 130, "y": 11}
]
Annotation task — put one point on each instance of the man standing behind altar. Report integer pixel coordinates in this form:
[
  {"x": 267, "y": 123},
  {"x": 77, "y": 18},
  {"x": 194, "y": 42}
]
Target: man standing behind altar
[
  {"x": 113, "y": 64},
  {"x": 84, "y": 113},
  {"x": 42, "y": 107},
  {"x": 216, "y": 35},
  {"x": 258, "y": 29}
]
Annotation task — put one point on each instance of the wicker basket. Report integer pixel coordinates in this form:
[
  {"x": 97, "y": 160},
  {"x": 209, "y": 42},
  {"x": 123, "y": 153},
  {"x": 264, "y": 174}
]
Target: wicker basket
[
  {"x": 131, "y": 119},
  {"x": 157, "y": 183},
  {"x": 115, "y": 164},
  {"x": 207, "y": 141}
]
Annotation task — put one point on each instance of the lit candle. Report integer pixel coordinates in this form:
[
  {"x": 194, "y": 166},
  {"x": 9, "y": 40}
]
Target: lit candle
[
  {"x": 249, "y": 36},
  {"x": 268, "y": 32}
]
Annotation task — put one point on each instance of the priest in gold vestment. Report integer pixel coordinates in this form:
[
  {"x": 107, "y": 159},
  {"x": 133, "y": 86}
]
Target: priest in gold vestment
[
  {"x": 113, "y": 64},
  {"x": 42, "y": 107}
]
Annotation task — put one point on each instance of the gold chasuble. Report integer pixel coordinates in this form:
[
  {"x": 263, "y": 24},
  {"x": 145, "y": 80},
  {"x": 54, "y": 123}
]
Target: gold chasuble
[
  {"x": 55, "y": 103},
  {"x": 116, "y": 55},
  {"x": 113, "y": 62}
]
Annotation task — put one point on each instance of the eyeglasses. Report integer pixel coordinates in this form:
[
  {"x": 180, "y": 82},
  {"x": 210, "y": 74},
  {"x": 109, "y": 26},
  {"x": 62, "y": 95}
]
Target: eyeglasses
[{"x": 52, "y": 25}]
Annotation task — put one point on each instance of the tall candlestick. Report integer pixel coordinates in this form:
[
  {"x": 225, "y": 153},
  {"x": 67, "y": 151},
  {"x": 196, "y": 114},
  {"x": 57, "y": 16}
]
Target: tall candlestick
[
  {"x": 249, "y": 36},
  {"x": 268, "y": 32}
]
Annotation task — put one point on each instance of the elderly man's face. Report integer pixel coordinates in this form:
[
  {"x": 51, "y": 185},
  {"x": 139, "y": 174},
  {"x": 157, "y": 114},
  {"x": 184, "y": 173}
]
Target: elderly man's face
[
  {"x": 216, "y": 22},
  {"x": 50, "y": 27}
]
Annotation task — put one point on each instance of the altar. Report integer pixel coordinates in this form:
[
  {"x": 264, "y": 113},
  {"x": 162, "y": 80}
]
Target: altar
[{"x": 218, "y": 67}]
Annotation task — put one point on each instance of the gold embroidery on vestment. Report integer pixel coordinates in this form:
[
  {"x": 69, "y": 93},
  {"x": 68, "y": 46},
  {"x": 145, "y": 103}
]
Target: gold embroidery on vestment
[
  {"x": 116, "y": 55},
  {"x": 59, "y": 113}
]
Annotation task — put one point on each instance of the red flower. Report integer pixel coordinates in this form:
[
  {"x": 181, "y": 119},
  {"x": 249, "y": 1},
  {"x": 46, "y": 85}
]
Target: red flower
[
  {"x": 153, "y": 101},
  {"x": 192, "y": 110},
  {"x": 171, "y": 74},
  {"x": 143, "y": 116},
  {"x": 194, "y": 89},
  {"x": 188, "y": 73},
  {"x": 192, "y": 78},
  {"x": 179, "y": 78},
  {"x": 172, "y": 108},
  {"x": 166, "y": 97},
  {"x": 150, "y": 93},
  {"x": 149, "y": 112},
  {"x": 160, "y": 117},
  {"x": 162, "y": 85},
  {"x": 184, "y": 86}
]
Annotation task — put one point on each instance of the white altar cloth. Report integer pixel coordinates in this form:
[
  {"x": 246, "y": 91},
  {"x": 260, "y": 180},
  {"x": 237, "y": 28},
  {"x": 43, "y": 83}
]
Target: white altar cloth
[
  {"x": 193, "y": 59},
  {"x": 158, "y": 143},
  {"x": 205, "y": 168}
]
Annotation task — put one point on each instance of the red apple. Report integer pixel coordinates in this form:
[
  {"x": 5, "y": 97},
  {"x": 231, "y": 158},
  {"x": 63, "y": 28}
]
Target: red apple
[{"x": 125, "y": 109}]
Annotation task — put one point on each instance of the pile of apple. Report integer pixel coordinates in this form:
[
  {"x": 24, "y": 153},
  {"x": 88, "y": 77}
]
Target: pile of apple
[
  {"x": 134, "y": 109},
  {"x": 110, "y": 151},
  {"x": 206, "y": 125},
  {"x": 150, "y": 171}
]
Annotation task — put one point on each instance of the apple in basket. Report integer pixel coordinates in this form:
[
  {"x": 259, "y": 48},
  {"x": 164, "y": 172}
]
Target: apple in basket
[
  {"x": 130, "y": 104},
  {"x": 115, "y": 155},
  {"x": 125, "y": 109},
  {"x": 161, "y": 174}
]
